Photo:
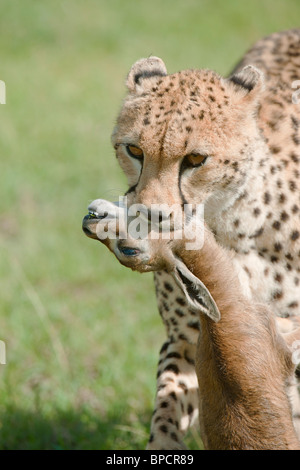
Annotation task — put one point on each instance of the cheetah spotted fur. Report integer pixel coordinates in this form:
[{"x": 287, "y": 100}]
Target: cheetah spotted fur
[{"x": 247, "y": 127}]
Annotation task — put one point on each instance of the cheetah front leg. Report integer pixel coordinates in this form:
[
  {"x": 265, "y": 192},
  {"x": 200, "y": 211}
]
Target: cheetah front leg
[{"x": 176, "y": 406}]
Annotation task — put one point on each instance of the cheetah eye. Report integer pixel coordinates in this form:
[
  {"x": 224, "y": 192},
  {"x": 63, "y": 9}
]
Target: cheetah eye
[
  {"x": 192, "y": 160},
  {"x": 134, "y": 152}
]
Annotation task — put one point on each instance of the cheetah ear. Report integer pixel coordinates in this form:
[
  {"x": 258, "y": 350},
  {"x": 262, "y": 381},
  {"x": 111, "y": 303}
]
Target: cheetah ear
[
  {"x": 197, "y": 294},
  {"x": 248, "y": 83},
  {"x": 142, "y": 71}
]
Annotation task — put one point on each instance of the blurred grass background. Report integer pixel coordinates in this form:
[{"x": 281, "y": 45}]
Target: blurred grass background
[{"x": 82, "y": 332}]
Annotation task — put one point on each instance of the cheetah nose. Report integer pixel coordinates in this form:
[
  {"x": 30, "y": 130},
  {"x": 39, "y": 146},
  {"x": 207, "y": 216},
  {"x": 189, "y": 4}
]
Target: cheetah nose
[
  {"x": 159, "y": 220},
  {"x": 159, "y": 215}
]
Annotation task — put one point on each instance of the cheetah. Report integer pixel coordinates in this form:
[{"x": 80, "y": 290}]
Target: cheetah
[{"x": 233, "y": 145}]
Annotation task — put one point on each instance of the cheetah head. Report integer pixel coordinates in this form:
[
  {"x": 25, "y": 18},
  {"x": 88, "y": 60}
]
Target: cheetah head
[{"x": 187, "y": 138}]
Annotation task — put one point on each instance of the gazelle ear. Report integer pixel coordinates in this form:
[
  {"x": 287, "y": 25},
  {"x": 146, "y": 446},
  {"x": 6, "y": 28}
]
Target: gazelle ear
[
  {"x": 248, "y": 83},
  {"x": 142, "y": 71},
  {"x": 197, "y": 295}
]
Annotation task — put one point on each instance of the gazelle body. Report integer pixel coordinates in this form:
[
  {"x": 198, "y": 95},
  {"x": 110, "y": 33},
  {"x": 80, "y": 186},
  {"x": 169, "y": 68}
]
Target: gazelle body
[{"x": 244, "y": 365}]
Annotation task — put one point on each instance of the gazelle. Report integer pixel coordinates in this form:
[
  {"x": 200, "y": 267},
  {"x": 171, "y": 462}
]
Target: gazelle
[{"x": 244, "y": 364}]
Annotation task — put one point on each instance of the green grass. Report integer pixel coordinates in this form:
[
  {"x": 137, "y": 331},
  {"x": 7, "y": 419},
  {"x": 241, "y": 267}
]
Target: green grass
[{"x": 82, "y": 332}]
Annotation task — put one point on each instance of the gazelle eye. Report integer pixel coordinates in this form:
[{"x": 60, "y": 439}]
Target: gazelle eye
[
  {"x": 134, "y": 152},
  {"x": 193, "y": 160}
]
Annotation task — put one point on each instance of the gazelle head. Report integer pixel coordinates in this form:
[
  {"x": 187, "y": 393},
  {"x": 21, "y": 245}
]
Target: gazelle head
[{"x": 158, "y": 250}]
